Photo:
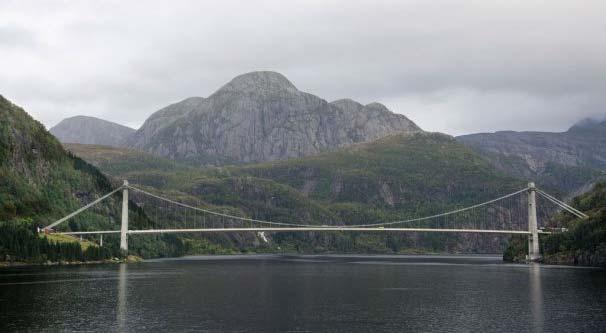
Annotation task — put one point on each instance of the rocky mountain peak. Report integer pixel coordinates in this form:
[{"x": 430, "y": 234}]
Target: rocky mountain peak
[
  {"x": 91, "y": 130},
  {"x": 262, "y": 82},
  {"x": 589, "y": 125},
  {"x": 177, "y": 109},
  {"x": 261, "y": 116},
  {"x": 347, "y": 104},
  {"x": 377, "y": 106}
]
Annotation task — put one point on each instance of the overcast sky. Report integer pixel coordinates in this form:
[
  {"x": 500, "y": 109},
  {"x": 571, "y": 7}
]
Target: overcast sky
[{"x": 451, "y": 66}]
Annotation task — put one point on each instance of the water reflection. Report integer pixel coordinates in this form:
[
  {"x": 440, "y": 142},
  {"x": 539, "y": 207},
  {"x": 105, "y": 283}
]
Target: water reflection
[
  {"x": 123, "y": 272},
  {"x": 306, "y": 293},
  {"x": 536, "y": 297}
]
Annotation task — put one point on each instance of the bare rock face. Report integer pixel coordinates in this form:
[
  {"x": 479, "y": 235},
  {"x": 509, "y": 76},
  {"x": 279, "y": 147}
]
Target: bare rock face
[
  {"x": 568, "y": 161},
  {"x": 90, "y": 130},
  {"x": 584, "y": 144},
  {"x": 373, "y": 121},
  {"x": 261, "y": 116}
]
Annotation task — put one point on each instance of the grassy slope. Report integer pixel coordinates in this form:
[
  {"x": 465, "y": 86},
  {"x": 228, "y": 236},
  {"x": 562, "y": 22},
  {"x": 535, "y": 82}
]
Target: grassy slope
[
  {"x": 84, "y": 244},
  {"x": 401, "y": 173},
  {"x": 141, "y": 167}
]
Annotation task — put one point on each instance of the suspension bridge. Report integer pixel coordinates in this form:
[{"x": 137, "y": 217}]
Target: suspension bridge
[{"x": 515, "y": 213}]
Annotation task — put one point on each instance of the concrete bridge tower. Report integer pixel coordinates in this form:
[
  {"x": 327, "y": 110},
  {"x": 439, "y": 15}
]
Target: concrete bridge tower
[
  {"x": 124, "y": 226},
  {"x": 534, "y": 253}
]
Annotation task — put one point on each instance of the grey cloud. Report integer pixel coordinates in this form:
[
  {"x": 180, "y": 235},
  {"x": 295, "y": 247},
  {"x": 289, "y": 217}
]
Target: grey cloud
[
  {"x": 452, "y": 66},
  {"x": 14, "y": 36}
]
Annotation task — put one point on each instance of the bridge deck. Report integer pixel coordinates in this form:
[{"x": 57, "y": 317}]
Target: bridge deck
[{"x": 302, "y": 229}]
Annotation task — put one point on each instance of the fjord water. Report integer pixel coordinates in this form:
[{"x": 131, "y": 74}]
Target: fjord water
[{"x": 306, "y": 293}]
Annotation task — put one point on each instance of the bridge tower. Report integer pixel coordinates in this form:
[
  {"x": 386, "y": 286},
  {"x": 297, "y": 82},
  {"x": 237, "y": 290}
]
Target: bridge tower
[
  {"x": 124, "y": 226},
  {"x": 534, "y": 253}
]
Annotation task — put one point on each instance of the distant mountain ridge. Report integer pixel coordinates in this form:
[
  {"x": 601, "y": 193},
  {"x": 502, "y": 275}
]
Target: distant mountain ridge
[
  {"x": 589, "y": 125},
  {"x": 261, "y": 116},
  {"x": 569, "y": 160},
  {"x": 91, "y": 130}
]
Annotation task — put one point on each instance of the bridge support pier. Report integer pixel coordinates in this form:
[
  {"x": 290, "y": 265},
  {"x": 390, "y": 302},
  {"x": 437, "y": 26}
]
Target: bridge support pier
[
  {"x": 124, "y": 225},
  {"x": 534, "y": 254}
]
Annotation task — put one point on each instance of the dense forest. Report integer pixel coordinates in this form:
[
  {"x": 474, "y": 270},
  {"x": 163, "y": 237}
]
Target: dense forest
[
  {"x": 21, "y": 243},
  {"x": 585, "y": 242}
]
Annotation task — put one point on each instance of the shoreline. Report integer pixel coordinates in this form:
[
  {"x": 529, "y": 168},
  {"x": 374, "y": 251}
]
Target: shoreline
[
  {"x": 18, "y": 264},
  {"x": 135, "y": 259}
]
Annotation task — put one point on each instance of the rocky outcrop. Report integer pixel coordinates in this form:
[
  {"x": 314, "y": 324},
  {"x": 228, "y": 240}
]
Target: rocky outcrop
[
  {"x": 261, "y": 116},
  {"x": 595, "y": 257},
  {"x": 90, "y": 130}
]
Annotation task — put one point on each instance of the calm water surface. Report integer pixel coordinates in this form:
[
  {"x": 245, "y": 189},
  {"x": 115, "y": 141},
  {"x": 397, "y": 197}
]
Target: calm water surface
[{"x": 306, "y": 293}]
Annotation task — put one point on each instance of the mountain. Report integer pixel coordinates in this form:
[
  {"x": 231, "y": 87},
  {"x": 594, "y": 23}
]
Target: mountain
[
  {"x": 398, "y": 176},
  {"x": 90, "y": 130},
  {"x": 261, "y": 116},
  {"x": 40, "y": 182},
  {"x": 569, "y": 162}
]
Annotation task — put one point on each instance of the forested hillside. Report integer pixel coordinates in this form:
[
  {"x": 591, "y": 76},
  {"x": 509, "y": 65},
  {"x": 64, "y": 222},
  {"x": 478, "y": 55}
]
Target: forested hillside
[
  {"x": 393, "y": 178},
  {"x": 399, "y": 172},
  {"x": 584, "y": 243},
  {"x": 41, "y": 182}
]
